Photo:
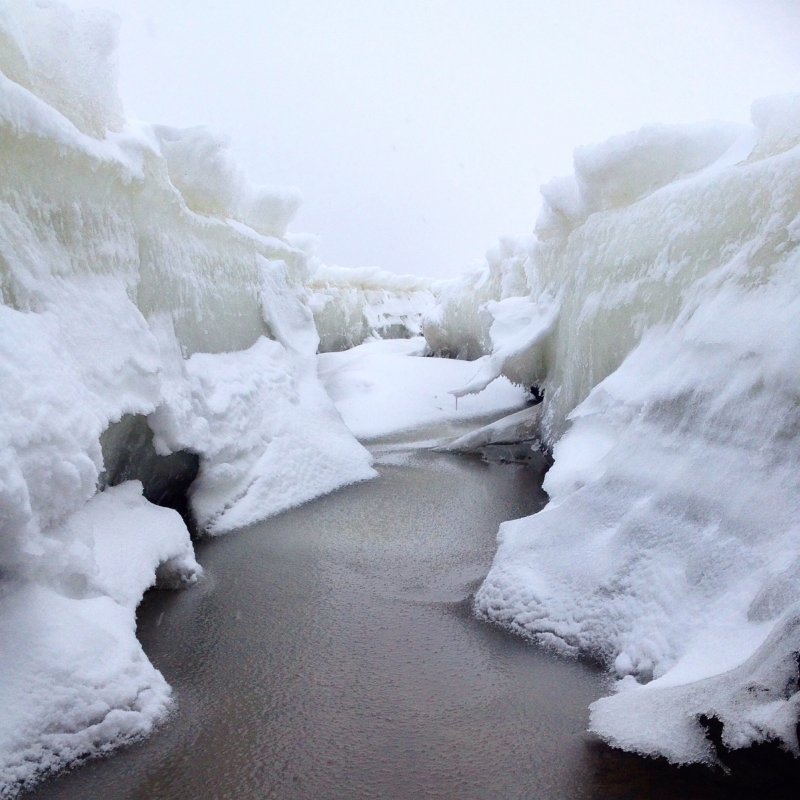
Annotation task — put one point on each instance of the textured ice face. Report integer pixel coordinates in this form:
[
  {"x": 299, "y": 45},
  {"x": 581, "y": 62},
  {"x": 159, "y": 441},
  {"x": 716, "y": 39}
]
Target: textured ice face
[
  {"x": 670, "y": 397},
  {"x": 352, "y": 305}
]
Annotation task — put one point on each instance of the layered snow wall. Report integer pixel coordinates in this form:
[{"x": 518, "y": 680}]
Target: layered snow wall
[
  {"x": 658, "y": 308},
  {"x": 142, "y": 278}
]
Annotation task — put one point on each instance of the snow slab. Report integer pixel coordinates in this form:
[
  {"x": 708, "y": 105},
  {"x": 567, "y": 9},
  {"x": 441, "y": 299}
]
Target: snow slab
[{"x": 517, "y": 427}]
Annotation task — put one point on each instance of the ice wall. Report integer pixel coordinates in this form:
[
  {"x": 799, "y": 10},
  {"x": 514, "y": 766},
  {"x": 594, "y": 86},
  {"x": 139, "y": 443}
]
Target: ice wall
[
  {"x": 353, "y": 305},
  {"x": 658, "y": 308},
  {"x": 141, "y": 277}
]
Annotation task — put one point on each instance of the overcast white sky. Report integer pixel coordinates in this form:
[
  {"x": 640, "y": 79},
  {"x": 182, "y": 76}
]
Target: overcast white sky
[{"x": 418, "y": 131}]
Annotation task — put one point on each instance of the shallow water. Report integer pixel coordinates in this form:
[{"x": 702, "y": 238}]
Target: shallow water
[{"x": 331, "y": 653}]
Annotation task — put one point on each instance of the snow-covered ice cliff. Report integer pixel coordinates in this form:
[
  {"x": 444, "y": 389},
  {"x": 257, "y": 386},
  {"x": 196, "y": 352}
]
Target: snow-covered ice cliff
[
  {"x": 658, "y": 307},
  {"x": 145, "y": 285}
]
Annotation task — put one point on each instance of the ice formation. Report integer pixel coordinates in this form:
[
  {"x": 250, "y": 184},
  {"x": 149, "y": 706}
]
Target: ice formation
[
  {"x": 657, "y": 307},
  {"x": 353, "y": 305},
  {"x": 142, "y": 278}
]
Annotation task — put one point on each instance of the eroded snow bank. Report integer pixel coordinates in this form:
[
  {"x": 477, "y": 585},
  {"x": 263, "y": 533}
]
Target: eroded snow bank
[
  {"x": 658, "y": 309},
  {"x": 140, "y": 274}
]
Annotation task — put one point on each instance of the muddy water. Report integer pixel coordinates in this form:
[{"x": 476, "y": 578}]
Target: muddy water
[{"x": 331, "y": 653}]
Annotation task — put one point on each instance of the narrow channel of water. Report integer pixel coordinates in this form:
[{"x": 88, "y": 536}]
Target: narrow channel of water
[{"x": 331, "y": 653}]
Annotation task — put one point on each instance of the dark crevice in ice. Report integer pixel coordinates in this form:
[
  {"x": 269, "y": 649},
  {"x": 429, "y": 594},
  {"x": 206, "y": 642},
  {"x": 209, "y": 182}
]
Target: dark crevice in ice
[
  {"x": 762, "y": 771},
  {"x": 129, "y": 454}
]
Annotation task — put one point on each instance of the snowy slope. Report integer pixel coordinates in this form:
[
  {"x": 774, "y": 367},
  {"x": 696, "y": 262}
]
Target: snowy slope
[{"x": 658, "y": 309}]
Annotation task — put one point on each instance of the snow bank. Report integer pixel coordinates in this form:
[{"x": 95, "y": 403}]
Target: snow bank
[
  {"x": 140, "y": 276},
  {"x": 353, "y": 305},
  {"x": 668, "y": 349},
  {"x": 269, "y": 436}
]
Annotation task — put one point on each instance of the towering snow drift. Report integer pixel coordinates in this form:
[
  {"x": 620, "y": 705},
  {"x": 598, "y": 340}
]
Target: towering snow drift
[
  {"x": 139, "y": 275},
  {"x": 666, "y": 282}
]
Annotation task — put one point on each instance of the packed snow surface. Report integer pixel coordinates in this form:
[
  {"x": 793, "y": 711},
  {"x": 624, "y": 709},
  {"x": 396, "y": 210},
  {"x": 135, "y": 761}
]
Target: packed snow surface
[
  {"x": 658, "y": 308},
  {"x": 387, "y": 387}
]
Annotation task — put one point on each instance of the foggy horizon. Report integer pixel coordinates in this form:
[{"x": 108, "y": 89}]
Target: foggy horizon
[{"x": 419, "y": 133}]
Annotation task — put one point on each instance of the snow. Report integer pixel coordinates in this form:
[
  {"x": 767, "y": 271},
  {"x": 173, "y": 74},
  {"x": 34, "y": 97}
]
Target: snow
[
  {"x": 269, "y": 435},
  {"x": 65, "y": 57},
  {"x": 669, "y": 365},
  {"x": 140, "y": 275},
  {"x": 626, "y": 168},
  {"x": 353, "y": 305},
  {"x": 520, "y": 426},
  {"x": 75, "y": 678},
  {"x": 387, "y": 387},
  {"x": 519, "y": 326},
  {"x": 201, "y": 167}
]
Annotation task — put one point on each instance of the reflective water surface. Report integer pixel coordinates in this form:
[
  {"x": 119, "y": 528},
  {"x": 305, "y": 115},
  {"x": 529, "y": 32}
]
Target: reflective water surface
[{"x": 331, "y": 653}]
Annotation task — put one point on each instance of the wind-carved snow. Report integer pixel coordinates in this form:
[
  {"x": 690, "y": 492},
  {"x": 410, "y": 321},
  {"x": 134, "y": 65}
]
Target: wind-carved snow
[
  {"x": 669, "y": 363},
  {"x": 140, "y": 274}
]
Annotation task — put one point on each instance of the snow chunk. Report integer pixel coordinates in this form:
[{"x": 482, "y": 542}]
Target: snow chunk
[
  {"x": 75, "y": 679},
  {"x": 626, "y": 168},
  {"x": 518, "y": 329},
  {"x": 67, "y": 58},
  {"x": 517, "y": 427},
  {"x": 267, "y": 433},
  {"x": 757, "y": 701},
  {"x": 269, "y": 209},
  {"x": 202, "y": 168},
  {"x": 777, "y": 120}
]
